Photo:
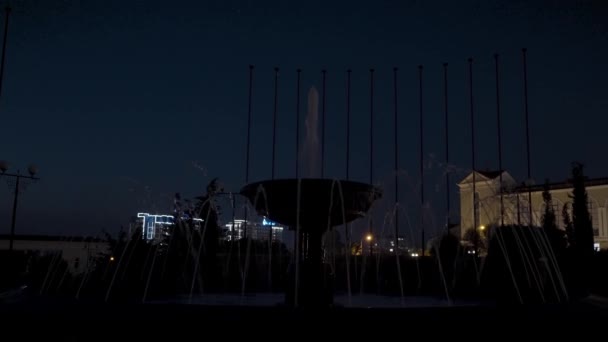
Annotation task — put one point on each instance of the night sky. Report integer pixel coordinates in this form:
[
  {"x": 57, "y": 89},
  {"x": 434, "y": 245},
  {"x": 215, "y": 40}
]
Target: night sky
[{"x": 123, "y": 103}]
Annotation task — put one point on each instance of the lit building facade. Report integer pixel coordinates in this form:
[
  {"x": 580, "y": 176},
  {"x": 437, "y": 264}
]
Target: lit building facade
[
  {"x": 155, "y": 228},
  {"x": 483, "y": 208},
  {"x": 238, "y": 229}
]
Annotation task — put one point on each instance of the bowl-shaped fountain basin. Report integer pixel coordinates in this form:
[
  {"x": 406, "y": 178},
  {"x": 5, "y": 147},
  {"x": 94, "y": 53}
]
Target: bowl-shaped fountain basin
[{"x": 311, "y": 203}]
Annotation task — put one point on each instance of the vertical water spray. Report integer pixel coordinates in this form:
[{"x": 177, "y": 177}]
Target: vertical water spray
[
  {"x": 300, "y": 203},
  {"x": 311, "y": 142}
]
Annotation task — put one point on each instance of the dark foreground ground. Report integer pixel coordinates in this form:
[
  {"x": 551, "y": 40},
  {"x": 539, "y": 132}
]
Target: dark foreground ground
[{"x": 42, "y": 320}]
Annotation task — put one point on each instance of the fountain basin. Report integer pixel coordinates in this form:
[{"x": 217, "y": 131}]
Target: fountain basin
[
  {"x": 321, "y": 203},
  {"x": 311, "y": 206}
]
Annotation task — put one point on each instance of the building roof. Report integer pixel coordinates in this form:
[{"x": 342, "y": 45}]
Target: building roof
[
  {"x": 567, "y": 184},
  {"x": 490, "y": 174},
  {"x": 486, "y": 176}
]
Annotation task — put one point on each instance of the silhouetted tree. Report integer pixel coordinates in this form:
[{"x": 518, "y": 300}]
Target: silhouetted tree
[
  {"x": 581, "y": 219},
  {"x": 447, "y": 251},
  {"x": 507, "y": 273},
  {"x": 209, "y": 231},
  {"x": 48, "y": 274},
  {"x": 569, "y": 227},
  {"x": 583, "y": 229},
  {"x": 549, "y": 215},
  {"x": 555, "y": 236}
]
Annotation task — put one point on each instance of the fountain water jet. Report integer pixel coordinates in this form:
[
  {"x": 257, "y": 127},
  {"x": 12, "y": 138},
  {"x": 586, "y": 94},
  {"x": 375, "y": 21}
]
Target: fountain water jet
[{"x": 306, "y": 205}]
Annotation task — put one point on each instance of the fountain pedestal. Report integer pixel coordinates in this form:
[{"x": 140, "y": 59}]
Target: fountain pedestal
[
  {"x": 310, "y": 206},
  {"x": 315, "y": 278}
]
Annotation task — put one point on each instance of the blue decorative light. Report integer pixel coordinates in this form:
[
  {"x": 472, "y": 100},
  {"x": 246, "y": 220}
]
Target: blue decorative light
[{"x": 266, "y": 222}]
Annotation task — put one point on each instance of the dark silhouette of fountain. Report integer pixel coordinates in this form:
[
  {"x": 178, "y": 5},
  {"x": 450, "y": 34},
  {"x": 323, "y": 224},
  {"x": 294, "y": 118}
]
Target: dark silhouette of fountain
[{"x": 310, "y": 206}]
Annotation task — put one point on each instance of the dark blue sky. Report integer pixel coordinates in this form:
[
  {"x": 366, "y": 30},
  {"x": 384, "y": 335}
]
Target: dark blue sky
[{"x": 122, "y": 103}]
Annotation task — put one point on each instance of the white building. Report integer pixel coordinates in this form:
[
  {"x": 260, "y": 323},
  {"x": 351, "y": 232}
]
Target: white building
[
  {"x": 235, "y": 230},
  {"x": 155, "y": 227},
  {"x": 484, "y": 209}
]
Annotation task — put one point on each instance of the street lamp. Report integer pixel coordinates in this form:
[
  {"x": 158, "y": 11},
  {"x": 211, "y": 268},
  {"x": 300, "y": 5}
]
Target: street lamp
[
  {"x": 369, "y": 239},
  {"x": 32, "y": 170}
]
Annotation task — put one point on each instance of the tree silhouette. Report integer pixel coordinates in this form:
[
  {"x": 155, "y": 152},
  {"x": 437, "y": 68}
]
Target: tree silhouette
[
  {"x": 581, "y": 219},
  {"x": 569, "y": 227},
  {"x": 556, "y": 237},
  {"x": 209, "y": 232},
  {"x": 583, "y": 230}
]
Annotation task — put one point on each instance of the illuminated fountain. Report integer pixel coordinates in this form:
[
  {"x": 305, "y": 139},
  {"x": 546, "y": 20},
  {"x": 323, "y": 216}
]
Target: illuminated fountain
[{"x": 311, "y": 206}]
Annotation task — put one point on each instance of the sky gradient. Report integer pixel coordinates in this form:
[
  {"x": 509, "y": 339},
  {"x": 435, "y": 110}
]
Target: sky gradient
[{"x": 122, "y": 104}]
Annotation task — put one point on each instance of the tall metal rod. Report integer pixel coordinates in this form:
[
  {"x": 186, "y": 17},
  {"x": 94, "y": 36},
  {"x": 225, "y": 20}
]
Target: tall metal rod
[
  {"x": 248, "y": 143},
  {"x": 17, "y": 177},
  {"x": 499, "y": 134},
  {"x": 274, "y": 120},
  {"x": 421, "y": 164},
  {"x": 371, "y": 148},
  {"x": 371, "y": 126},
  {"x": 523, "y": 51},
  {"x": 8, "y": 12},
  {"x": 447, "y": 148},
  {"x": 396, "y": 148},
  {"x": 348, "y": 72},
  {"x": 14, "y": 218},
  {"x": 324, "y": 73},
  {"x": 473, "y": 149},
  {"x": 299, "y": 71},
  {"x": 249, "y": 123}
]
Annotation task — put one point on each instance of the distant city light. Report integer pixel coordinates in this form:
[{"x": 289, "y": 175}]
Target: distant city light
[
  {"x": 111, "y": 258},
  {"x": 151, "y": 221},
  {"x": 266, "y": 222}
]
